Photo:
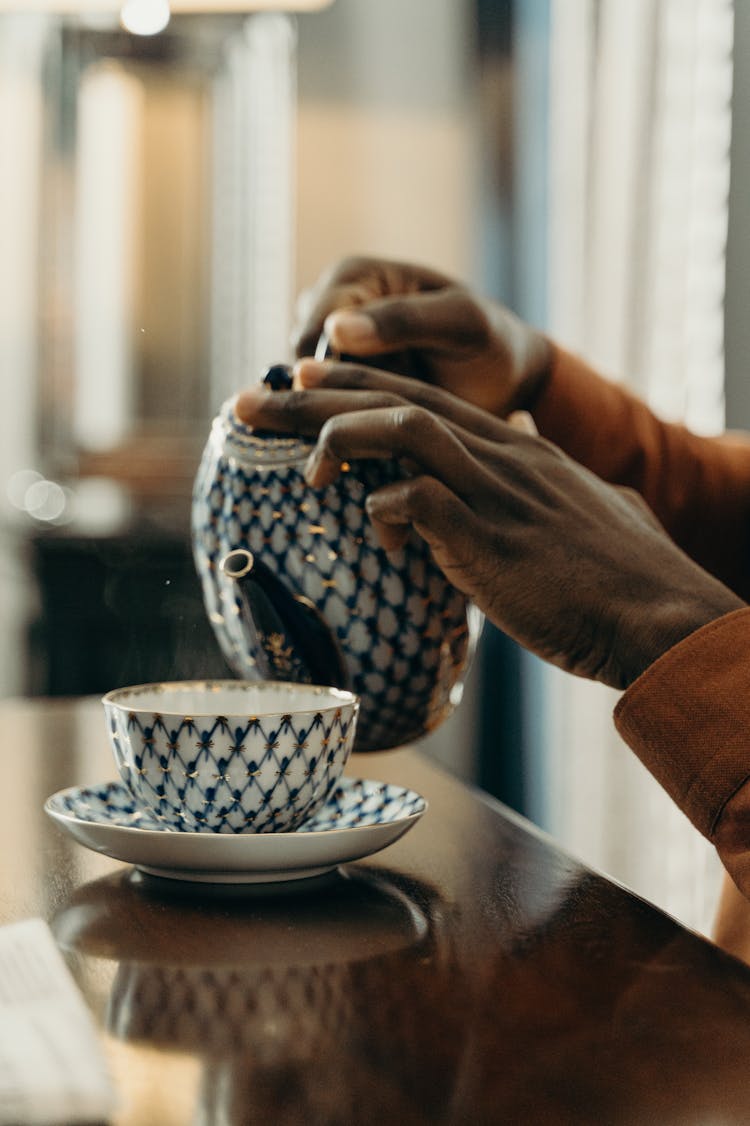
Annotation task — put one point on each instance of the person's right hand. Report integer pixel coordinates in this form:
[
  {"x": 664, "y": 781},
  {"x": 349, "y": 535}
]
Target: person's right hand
[
  {"x": 575, "y": 570},
  {"x": 422, "y": 324}
]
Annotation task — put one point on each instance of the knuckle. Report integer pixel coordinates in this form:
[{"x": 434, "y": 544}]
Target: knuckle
[
  {"x": 475, "y": 323},
  {"x": 344, "y": 272},
  {"x": 387, "y": 400},
  {"x": 352, "y": 267},
  {"x": 638, "y": 505},
  {"x": 366, "y": 385},
  {"x": 349, "y": 376},
  {"x": 290, "y": 404},
  {"x": 419, "y": 425},
  {"x": 426, "y": 492},
  {"x": 632, "y": 498},
  {"x": 395, "y": 320},
  {"x": 292, "y": 410}
]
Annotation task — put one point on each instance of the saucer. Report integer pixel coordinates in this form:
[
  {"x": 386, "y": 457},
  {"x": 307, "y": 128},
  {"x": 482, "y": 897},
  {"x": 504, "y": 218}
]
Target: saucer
[{"x": 360, "y": 817}]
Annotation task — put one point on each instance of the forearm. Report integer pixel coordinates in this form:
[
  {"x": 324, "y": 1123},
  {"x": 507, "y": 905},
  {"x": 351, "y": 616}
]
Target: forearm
[{"x": 698, "y": 487}]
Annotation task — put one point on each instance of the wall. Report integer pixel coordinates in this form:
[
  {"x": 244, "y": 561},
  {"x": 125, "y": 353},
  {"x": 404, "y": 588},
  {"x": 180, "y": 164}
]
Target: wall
[
  {"x": 385, "y": 134},
  {"x": 388, "y": 165}
]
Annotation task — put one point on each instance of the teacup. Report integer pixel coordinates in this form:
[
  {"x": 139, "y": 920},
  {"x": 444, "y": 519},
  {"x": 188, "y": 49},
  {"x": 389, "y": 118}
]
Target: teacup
[{"x": 227, "y": 756}]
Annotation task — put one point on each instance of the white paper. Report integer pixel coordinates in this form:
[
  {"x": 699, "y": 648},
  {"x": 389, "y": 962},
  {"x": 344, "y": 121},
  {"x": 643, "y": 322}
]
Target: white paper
[{"x": 52, "y": 1068}]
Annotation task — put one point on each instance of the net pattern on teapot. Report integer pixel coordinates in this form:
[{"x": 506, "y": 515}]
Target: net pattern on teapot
[{"x": 401, "y": 627}]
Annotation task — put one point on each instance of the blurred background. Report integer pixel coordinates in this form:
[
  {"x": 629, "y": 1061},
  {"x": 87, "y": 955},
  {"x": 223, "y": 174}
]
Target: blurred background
[{"x": 175, "y": 175}]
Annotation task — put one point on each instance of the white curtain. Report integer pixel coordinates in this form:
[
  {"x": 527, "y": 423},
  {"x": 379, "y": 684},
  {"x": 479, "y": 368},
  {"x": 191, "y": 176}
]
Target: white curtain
[
  {"x": 640, "y": 116},
  {"x": 109, "y": 112},
  {"x": 253, "y": 203}
]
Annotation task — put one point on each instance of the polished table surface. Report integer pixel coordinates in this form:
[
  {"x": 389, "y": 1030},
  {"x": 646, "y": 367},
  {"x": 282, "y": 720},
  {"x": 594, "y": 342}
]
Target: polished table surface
[{"x": 472, "y": 972}]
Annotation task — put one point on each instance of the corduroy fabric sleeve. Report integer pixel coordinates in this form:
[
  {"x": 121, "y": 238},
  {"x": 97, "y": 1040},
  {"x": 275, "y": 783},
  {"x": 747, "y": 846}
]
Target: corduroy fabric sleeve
[
  {"x": 687, "y": 717},
  {"x": 699, "y": 487}
]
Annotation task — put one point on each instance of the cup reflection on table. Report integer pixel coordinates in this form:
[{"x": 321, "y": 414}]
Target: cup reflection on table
[{"x": 311, "y": 1007}]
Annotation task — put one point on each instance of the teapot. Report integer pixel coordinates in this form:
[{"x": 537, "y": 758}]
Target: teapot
[{"x": 297, "y": 586}]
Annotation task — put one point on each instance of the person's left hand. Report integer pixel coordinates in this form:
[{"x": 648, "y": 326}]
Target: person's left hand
[{"x": 574, "y": 569}]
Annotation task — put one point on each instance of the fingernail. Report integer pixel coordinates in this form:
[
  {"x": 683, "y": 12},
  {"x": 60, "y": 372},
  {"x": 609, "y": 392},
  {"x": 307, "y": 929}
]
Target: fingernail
[
  {"x": 321, "y": 468},
  {"x": 311, "y": 467},
  {"x": 352, "y": 331},
  {"x": 308, "y": 373},
  {"x": 247, "y": 403}
]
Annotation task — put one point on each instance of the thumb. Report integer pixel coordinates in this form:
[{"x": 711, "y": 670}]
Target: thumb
[{"x": 447, "y": 318}]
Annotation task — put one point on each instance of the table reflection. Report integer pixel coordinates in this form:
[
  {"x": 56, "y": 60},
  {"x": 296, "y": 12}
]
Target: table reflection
[{"x": 271, "y": 990}]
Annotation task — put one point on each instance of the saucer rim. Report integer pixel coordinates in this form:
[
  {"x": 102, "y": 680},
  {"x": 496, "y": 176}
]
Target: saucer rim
[
  {"x": 233, "y": 858},
  {"x": 137, "y": 831}
]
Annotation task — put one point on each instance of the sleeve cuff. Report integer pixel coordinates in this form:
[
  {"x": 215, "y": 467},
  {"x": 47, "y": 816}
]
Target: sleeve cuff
[{"x": 688, "y": 718}]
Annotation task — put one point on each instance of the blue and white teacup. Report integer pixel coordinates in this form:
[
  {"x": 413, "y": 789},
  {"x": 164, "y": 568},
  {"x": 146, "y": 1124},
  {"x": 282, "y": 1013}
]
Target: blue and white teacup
[{"x": 227, "y": 756}]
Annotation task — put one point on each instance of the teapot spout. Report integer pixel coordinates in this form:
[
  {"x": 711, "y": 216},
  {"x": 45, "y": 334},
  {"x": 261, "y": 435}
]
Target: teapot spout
[{"x": 286, "y": 635}]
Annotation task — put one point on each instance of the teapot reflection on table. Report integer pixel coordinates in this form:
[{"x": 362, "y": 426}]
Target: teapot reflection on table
[{"x": 298, "y": 588}]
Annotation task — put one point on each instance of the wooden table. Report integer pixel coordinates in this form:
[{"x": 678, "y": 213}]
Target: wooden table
[{"x": 470, "y": 973}]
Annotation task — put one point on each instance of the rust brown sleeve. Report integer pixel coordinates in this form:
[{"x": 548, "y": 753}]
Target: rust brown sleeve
[
  {"x": 688, "y": 719},
  {"x": 698, "y": 487}
]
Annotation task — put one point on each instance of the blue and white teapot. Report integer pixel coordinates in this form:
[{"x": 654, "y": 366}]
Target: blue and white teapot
[{"x": 297, "y": 586}]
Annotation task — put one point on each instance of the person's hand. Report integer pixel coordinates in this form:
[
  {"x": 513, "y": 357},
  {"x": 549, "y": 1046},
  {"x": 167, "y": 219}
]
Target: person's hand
[
  {"x": 574, "y": 569},
  {"x": 422, "y": 324}
]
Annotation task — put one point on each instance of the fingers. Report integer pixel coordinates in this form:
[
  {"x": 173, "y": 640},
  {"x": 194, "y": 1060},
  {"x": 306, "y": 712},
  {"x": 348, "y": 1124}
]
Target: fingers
[
  {"x": 447, "y": 524},
  {"x": 349, "y": 296},
  {"x": 444, "y": 319},
  {"x": 346, "y": 389},
  {"x": 305, "y": 412},
  {"x": 310, "y": 374},
  {"x": 369, "y": 306},
  {"x": 364, "y": 424},
  {"x": 383, "y": 425},
  {"x": 351, "y": 283},
  {"x": 406, "y": 433}
]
